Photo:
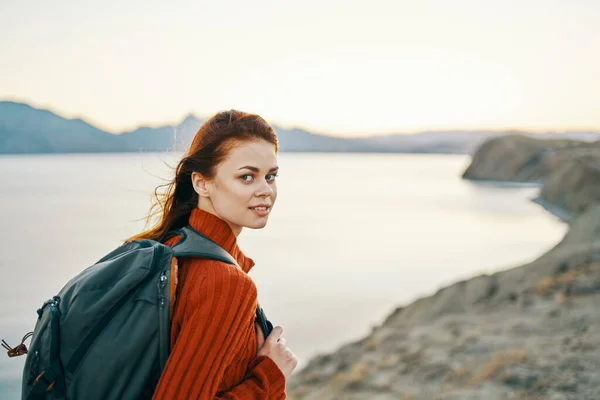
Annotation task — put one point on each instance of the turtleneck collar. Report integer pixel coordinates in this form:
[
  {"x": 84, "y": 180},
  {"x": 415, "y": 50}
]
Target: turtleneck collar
[{"x": 219, "y": 232}]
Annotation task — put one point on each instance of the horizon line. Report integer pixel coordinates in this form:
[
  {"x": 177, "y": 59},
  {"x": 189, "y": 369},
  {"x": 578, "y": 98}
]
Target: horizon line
[{"x": 306, "y": 128}]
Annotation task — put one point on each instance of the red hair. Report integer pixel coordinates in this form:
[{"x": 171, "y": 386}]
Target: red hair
[{"x": 210, "y": 146}]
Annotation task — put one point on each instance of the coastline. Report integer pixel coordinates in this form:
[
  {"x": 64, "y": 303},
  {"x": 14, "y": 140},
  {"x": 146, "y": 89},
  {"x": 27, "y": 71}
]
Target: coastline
[
  {"x": 525, "y": 332},
  {"x": 562, "y": 214},
  {"x": 504, "y": 184},
  {"x": 557, "y": 211}
]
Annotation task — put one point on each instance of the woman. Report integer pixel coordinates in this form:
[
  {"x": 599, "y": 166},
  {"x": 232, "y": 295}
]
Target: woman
[{"x": 224, "y": 183}]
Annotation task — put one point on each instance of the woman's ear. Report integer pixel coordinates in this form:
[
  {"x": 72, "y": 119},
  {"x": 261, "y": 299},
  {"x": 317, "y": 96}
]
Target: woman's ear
[{"x": 199, "y": 184}]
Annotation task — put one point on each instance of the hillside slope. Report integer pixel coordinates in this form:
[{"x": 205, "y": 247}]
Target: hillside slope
[{"x": 524, "y": 333}]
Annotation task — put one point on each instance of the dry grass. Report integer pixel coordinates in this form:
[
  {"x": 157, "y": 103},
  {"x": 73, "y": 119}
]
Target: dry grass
[
  {"x": 549, "y": 284},
  {"x": 456, "y": 376},
  {"x": 562, "y": 299},
  {"x": 372, "y": 342},
  {"x": 497, "y": 362},
  {"x": 355, "y": 376},
  {"x": 388, "y": 360},
  {"x": 298, "y": 393}
]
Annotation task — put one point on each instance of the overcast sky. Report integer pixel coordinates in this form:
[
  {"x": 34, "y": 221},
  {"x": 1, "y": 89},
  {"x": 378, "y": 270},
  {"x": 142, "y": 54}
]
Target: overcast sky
[{"x": 340, "y": 67}]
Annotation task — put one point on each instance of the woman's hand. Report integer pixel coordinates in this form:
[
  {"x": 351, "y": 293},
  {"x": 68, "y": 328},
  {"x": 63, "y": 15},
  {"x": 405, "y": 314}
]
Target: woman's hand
[{"x": 274, "y": 347}]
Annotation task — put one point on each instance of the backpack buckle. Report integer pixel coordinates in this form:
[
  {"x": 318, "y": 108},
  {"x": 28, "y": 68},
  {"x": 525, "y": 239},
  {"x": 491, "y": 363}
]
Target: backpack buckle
[
  {"x": 44, "y": 382},
  {"x": 17, "y": 351},
  {"x": 20, "y": 349}
]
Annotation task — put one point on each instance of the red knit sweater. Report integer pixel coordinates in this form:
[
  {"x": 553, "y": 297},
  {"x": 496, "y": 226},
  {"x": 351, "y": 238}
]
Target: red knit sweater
[{"x": 213, "y": 341}]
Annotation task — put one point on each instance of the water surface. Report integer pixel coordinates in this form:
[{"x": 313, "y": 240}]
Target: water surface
[{"x": 352, "y": 236}]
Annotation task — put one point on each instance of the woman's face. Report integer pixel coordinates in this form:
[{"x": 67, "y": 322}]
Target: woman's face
[{"x": 243, "y": 190}]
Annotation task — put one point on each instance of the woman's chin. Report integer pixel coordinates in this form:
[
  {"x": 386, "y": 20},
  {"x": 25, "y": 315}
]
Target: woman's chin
[{"x": 258, "y": 224}]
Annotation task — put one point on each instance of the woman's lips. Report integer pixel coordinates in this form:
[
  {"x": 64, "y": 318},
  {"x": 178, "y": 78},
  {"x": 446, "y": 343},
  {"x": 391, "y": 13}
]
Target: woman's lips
[{"x": 261, "y": 210}]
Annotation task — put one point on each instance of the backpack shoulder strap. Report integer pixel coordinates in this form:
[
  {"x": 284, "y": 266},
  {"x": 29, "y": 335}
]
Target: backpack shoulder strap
[{"x": 195, "y": 244}]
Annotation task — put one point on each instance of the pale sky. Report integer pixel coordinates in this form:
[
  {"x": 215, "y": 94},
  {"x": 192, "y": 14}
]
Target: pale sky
[{"x": 339, "y": 67}]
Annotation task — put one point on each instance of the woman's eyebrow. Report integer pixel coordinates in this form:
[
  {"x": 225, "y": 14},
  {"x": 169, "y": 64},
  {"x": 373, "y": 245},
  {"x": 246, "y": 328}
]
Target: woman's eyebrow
[{"x": 254, "y": 169}]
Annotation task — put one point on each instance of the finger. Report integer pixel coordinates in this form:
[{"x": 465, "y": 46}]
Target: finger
[
  {"x": 281, "y": 340},
  {"x": 292, "y": 357},
  {"x": 275, "y": 333}
]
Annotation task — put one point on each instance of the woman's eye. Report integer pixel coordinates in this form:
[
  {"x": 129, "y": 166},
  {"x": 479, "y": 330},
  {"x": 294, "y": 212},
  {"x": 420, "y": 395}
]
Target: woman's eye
[{"x": 250, "y": 177}]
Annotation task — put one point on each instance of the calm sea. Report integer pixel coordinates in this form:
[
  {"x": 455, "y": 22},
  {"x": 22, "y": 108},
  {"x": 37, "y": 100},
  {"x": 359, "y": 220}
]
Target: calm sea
[{"x": 351, "y": 237}]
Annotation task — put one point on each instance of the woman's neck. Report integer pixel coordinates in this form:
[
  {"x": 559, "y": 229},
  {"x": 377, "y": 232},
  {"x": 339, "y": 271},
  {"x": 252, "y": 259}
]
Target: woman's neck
[{"x": 206, "y": 205}]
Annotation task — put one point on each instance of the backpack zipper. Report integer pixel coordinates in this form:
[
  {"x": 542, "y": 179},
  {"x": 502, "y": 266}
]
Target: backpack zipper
[
  {"x": 84, "y": 346},
  {"x": 163, "y": 321}
]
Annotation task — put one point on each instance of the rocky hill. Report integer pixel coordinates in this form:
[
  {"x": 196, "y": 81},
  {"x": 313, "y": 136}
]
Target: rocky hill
[
  {"x": 524, "y": 333},
  {"x": 515, "y": 158},
  {"x": 568, "y": 169},
  {"x": 573, "y": 185}
]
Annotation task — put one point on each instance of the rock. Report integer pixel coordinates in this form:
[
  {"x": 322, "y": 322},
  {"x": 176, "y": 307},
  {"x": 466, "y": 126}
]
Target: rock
[
  {"x": 521, "y": 378},
  {"x": 515, "y": 158},
  {"x": 574, "y": 185},
  {"x": 583, "y": 285}
]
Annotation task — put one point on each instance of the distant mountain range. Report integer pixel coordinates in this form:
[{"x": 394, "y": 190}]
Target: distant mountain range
[{"x": 28, "y": 130}]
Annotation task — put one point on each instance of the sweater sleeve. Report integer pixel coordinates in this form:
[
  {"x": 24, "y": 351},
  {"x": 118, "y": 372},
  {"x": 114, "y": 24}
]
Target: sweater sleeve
[{"x": 212, "y": 326}]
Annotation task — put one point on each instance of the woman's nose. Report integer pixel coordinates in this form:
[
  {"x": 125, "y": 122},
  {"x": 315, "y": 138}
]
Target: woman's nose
[{"x": 265, "y": 189}]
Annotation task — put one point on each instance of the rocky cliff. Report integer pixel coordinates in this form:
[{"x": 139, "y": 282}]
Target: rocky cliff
[
  {"x": 574, "y": 184},
  {"x": 568, "y": 169},
  {"x": 524, "y": 333},
  {"x": 516, "y": 158}
]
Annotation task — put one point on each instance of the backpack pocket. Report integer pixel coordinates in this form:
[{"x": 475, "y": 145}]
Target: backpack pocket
[{"x": 42, "y": 373}]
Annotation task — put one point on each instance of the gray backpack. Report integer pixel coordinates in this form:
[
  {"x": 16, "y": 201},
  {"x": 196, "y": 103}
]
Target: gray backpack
[{"x": 106, "y": 335}]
